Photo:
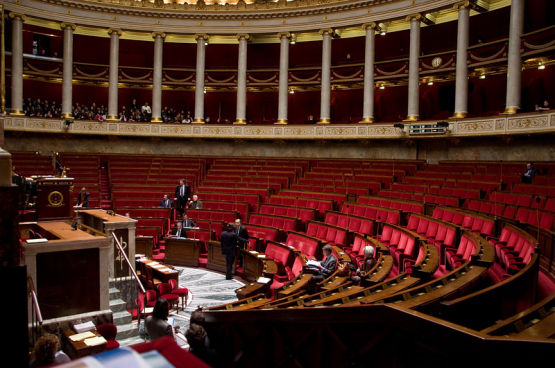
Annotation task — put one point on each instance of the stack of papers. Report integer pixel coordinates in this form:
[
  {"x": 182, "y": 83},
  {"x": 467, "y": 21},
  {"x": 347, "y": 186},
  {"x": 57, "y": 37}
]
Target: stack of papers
[
  {"x": 39, "y": 240},
  {"x": 263, "y": 280},
  {"x": 313, "y": 263},
  {"x": 253, "y": 252},
  {"x": 81, "y": 336},
  {"x": 166, "y": 269},
  {"x": 261, "y": 256},
  {"x": 84, "y": 327},
  {"x": 157, "y": 266},
  {"x": 93, "y": 341}
]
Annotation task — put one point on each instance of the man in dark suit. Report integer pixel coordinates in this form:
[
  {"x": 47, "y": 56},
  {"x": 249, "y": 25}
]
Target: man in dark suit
[
  {"x": 166, "y": 202},
  {"x": 530, "y": 173},
  {"x": 229, "y": 241},
  {"x": 182, "y": 196},
  {"x": 179, "y": 232},
  {"x": 83, "y": 198},
  {"x": 187, "y": 222},
  {"x": 242, "y": 233},
  {"x": 324, "y": 269}
]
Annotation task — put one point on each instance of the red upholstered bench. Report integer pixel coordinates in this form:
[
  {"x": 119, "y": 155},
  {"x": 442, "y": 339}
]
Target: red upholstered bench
[{"x": 310, "y": 246}]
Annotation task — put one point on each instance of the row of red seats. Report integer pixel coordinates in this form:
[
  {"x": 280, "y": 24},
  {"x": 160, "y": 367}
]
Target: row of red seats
[
  {"x": 304, "y": 214},
  {"x": 283, "y": 180},
  {"x": 482, "y": 225},
  {"x": 337, "y": 189},
  {"x": 333, "y": 235},
  {"x": 305, "y": 244},
  {"x": 372, "y": 212},
  {"x": 252, "y": 199},
  {"x": 284, "y": 258},
  {"x": 264, "y": 193},
  {"x": 336, "y": 197},
  {"x": 242, "y": 184},
  {"x": 514, "y": 249},
  {"x": 214, "y": 215},
  {"x": 536, "y": 189},
  {"x": 279, "y": 222},
  {"x": 352, "y": 223},
  {"x": 402, "y": 243},
  {"x": 321, "y": 205},
  {"x": 404, "y": 206},
  {"x": 356, "y": 250}
]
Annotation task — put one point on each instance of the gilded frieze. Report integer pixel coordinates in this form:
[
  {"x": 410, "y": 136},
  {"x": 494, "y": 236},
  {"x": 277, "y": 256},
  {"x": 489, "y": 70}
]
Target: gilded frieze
[
  {"x": 527, "y": 123},
  {"x": 475, "y": 126},
  {"x": 87, "y": 126}
]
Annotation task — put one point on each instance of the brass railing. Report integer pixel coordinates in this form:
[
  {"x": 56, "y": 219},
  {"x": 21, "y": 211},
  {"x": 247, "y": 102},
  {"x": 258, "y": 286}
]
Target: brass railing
[{"x": 36, "y": 315}]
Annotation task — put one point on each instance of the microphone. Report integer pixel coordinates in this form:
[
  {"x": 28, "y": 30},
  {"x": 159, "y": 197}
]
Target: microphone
[{"x": 538, "y": 199}]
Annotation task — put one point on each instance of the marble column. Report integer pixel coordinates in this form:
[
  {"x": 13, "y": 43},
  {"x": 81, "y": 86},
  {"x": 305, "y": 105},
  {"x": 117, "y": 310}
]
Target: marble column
[
  {"x": 67, "y": 73},
  {"x": 242, "y": 80},
  {"x": 17, "y": 63},
  {"x": 325, "y": 92},
  {"x": 514, "y": 59},
  {"x": 284, "y": 39},
  {"x": 157, "y": 77},
  {"x": 414, "y": 67},
  {"x": 369, "y": 57},
  {"x": 461, "y": 84},
  {"x": 199, "y": 78},
  {"x": 114, "y": 73}
]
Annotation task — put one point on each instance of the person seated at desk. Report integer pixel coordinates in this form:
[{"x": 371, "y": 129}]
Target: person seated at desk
[
  {"x": 47, "y": 351},
  {"x": 196, "y": 337},
  {"x": 196, "y": 204},
  {"x": 187, "y": 222},
  {"x": 166, "y": 202},
  {"x": 157, "y": 325},
  {"x": 322, "y": 270},
  {"x": 365, "y": 267},
  {"x": 530, "y": 173},
  {"x": 83, "y": 198},
  {"x": 179, "y": 231}
]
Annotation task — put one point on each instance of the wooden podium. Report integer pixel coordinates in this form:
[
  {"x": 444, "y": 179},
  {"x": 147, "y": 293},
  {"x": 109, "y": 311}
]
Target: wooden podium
[
  {"x": 182, "y": 252},
  {"x": 216, "y": 260},
  {"x": 54, "y": 199}
]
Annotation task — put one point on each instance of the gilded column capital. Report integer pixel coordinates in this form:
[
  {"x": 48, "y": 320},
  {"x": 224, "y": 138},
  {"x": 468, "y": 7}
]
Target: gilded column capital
[
  {"x": 67, "y": 25},
  {"x": 244, "y": 36},
  {"x": 115, "y": 30},
  {"x": 461, "y": 5},
  {"x": 201, "y": 36},
  {"x": 19, "y": 16},
  {"x": 372, "y": 25},
  {"x": 156, "y": 35},
  {"x": 282, "y": 35},
  {"x": 326, "y": 31},
  {"x": 418, "y": 17}
]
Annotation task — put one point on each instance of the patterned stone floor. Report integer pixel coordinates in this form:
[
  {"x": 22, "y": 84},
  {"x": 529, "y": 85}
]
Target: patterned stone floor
[{"x": 206, "y": 288}]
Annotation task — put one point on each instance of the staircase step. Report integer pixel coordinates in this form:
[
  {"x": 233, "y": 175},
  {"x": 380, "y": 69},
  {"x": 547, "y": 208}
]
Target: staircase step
[
  {"x": 114, "y": 294},
  {"x": 122, "y": 318},
  {"x": 131, "y": 341},
  {"x": 117, "y": 305},
  {"x": 127, "y": 331}
]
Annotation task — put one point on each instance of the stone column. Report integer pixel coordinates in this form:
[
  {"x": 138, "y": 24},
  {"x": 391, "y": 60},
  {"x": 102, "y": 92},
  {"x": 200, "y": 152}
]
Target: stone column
[
  {"x": 414, "y": 67},
  {"x": 17, "y": 63},
  {"x": 199, "y": 78},
  {"x": 157, "y": 76},
  {"x": 114, "y": 73},
  {"x": 369, "y": 56},
  {"x": 325, "y": 92},
  {"x": 67, "y": 73},
  {"x": 284, "y": 39},
  {"x": 514, "y": 60},
  {"x": 242, "y": 80},
  {"x": 461, "y": 84}
]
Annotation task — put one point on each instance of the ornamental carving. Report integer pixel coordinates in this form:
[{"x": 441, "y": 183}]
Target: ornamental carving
[
  {"x": 552, "y": 120},
  {"x": 42, "y": 124},
  {"x": 257, "y": 131},
  {"x": 89, "y": 126},
  {"x": 475, "y": 126},
  {"x": 175, "y": 130},
  {"x": 382, "y": 130},
  {"x": 299, "y": 131},
  {"x": 499, "y": 124},
  {"x": 340, "y": 131},
  {"x": 134, "y": 128},
  {"x": 526, "y": 123},
  {"x": 217, "y": 130}
]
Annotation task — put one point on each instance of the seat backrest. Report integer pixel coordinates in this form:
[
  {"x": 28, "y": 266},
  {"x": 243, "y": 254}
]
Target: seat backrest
[
  {"x": 164, "y": 288},
  {"x": 312, "y": 229},
  {"x": 422, "y": 226},
  {"x": 432, "y": 230},
  {"x": 413, "y": 222},
  {"x": 395, "y": 237},
  {"x": 467, "y": 222},
  {"x": 107, "y": 330},
  {"x": 331, "y": 218},
  {"x": 386, "y": 234}
]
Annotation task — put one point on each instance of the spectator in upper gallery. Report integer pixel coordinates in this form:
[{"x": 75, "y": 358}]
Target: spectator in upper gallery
[
  {"x": 348, "y": 58},
  {"x": 311, "y": 120},
  {"x": 544, "y": 107},
  {"x": 133, "y": 105},
  {"x": 207, "y": 120},
  {"x": 166, "y": 202},
  {"x": 122, "y": 117},
  {"x": 529, "y": 173},
  {"x": 83, "y": 198},
  {"x": 146, "y": 109},
  {"x": 196, "y": 204}
]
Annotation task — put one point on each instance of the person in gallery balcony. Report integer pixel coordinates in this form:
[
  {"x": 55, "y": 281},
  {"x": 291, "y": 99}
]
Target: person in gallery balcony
[
  {"x": 544, "y": 107},
  {"x": 311, "y": 120},
  {"x": 207, "y": 120}
]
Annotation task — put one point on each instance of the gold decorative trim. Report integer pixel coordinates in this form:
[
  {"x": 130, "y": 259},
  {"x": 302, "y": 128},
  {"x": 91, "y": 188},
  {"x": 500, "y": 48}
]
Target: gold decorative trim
[
  {"x": 17, "y": 112},
  {"x": 366, "y": 121},
  {"x": 281, "y": 35},
  {"x": 509, "y": 111},
  {"x": 282, "y": 122},
  {"x": 112, "y": 118},
  {"x": 198, "y": 121},
  {"x": 161, "y": 35},
  {"x": 156, "y": 120},
  {"x": 202, "y": 36},
  {"x": 412, "y": 118},
  {"x": 20, "y": 16},
  {"x": 372, "y": 25},
  {"x": 240, "y": 122},
  {"x": 459, "y": 115},
  {"x": 67, "y": 116},
  {"x": 67, "y": 25},
  {"x": 244, "y": 36},
  {"x": 324, "y": 121},
  {"x": 117, "y": 31}
]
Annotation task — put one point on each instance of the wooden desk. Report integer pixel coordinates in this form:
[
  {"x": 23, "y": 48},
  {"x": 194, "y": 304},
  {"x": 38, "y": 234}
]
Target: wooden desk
[
  {"x": 63, "y": 230},
  {"x": 216, "y": 260},
  {"x": 254, "y": 266},
  {"x": 78, "y": 349},
  {"x": 144, "y": 245},
  {"x": 161, "y": 275},
  {"x": 183, "y": 252},
  {"x": 254, "y": 288}
]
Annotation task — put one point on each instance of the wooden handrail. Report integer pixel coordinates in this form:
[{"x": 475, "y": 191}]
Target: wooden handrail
[{"x": 128, "y": 263}]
